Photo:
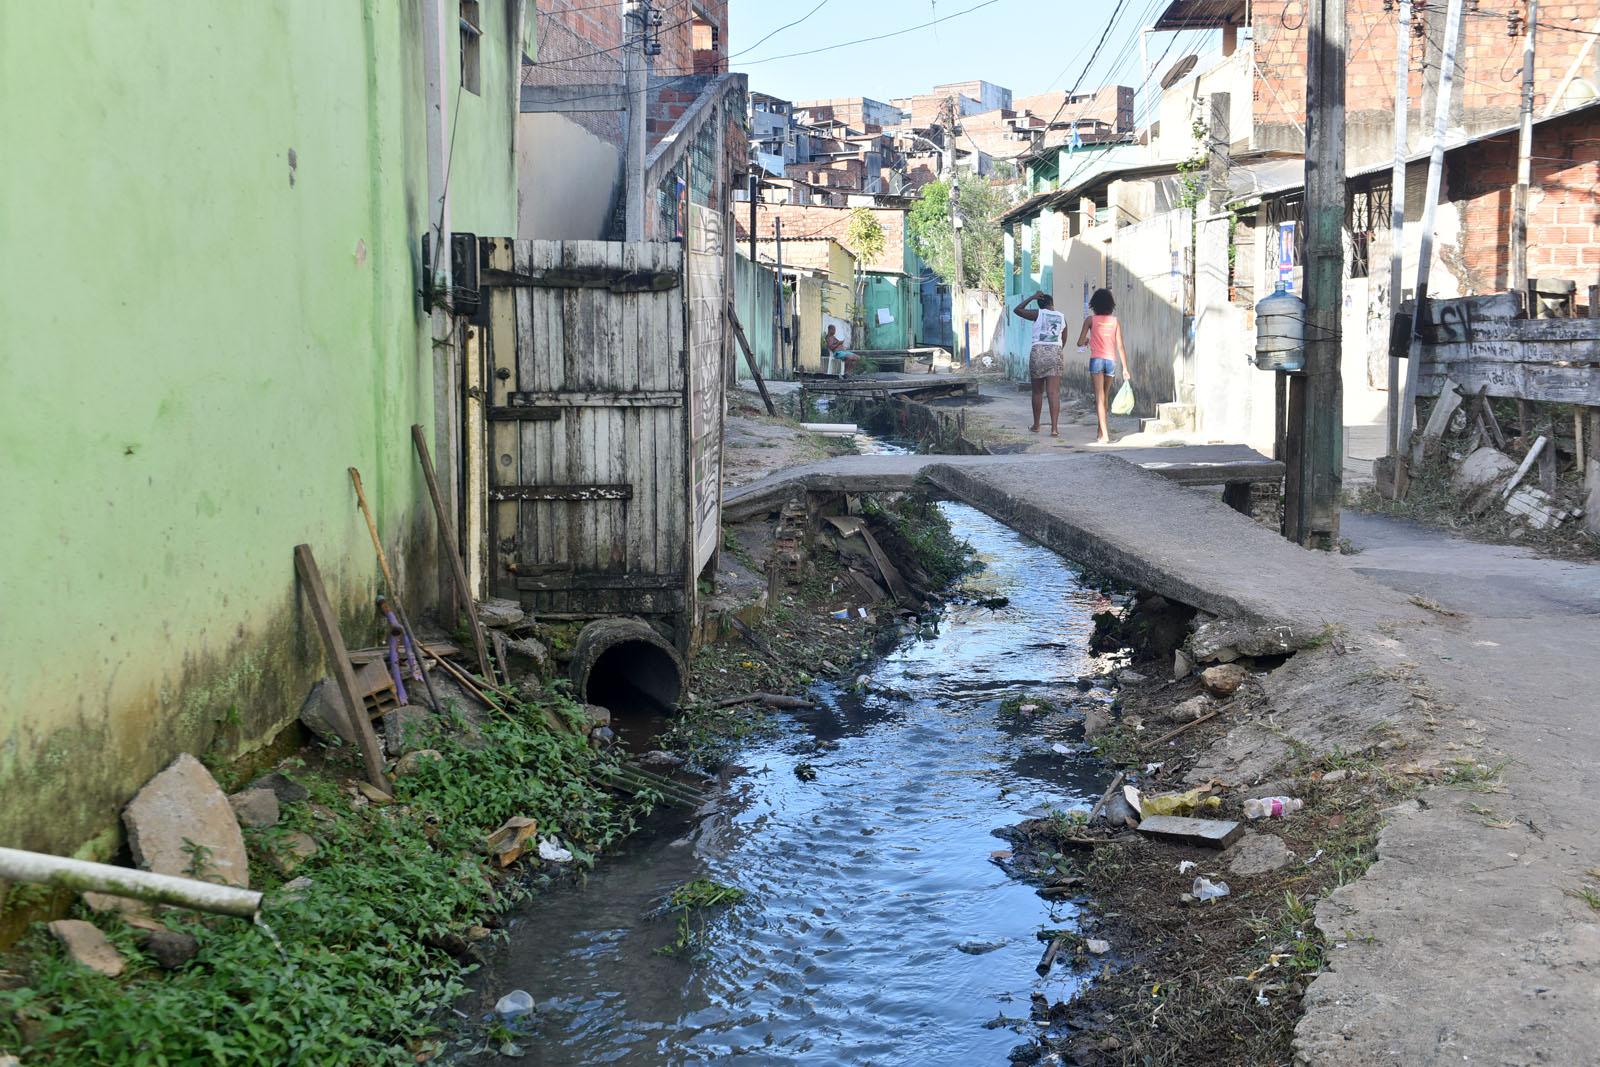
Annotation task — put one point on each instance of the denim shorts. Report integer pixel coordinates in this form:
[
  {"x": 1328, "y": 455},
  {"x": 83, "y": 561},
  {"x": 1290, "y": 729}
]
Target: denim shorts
[{"x": 1102, "y": 366}]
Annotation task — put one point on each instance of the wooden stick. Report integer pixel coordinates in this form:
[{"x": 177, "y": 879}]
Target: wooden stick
[
  {"x": 388, "y": 577},
  {"x": 771, "y": 700},
  {"x": 1105, "y": 798},
  {"x": 447, "y": 537},
  {"x": 339, "y": 660},
  {"x": 1050, "y": 953},
  {"x": 461, "y": 674},
  {"x": 1170, "y": 734}
]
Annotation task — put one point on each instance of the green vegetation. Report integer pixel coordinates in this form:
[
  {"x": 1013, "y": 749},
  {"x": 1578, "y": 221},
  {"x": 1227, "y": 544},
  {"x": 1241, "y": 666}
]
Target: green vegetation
[
  {"x": 864, "y": 236},
  {"x": 920, "y": 533},
  {"x": 980, "y": 204},
  {"x": 348, "y": 971},
  {"x": 695, "y": 898}
]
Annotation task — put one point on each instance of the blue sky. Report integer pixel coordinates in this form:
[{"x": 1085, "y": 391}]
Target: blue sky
[{"x": 1028, "y": 46}]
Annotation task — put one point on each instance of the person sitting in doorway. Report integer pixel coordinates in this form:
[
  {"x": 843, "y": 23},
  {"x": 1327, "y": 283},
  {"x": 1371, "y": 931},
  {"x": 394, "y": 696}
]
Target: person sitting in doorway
[
  {"x": 1044, "y": 356},
  {"x": 833, "y": 345}
]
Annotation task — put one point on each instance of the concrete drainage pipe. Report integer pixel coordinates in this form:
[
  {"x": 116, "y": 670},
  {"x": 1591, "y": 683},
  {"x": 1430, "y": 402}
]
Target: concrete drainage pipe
[{"x": 625, "y": 666}]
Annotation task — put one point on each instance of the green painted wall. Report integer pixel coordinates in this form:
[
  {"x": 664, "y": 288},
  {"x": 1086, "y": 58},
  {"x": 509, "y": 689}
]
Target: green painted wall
[{"x": 211, "y": 215}]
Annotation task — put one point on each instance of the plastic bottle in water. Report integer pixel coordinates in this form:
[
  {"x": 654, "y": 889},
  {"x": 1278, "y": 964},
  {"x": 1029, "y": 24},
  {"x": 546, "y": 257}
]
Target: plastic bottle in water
[{"x": 1271, "y": 807}]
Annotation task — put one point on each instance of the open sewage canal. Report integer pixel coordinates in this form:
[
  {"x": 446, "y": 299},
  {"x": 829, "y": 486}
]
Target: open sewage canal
[{"x": 875, "y": 928}]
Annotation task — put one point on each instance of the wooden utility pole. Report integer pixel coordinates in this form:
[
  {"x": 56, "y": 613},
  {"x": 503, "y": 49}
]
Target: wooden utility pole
[
  {"x": 1419, "y": 315},
  {"x": 1397, "y": 210},
  {"x": 1312, "y": 518},
  {"x": 1517, "y": 271},
  {"x": 636, "y": 70}
]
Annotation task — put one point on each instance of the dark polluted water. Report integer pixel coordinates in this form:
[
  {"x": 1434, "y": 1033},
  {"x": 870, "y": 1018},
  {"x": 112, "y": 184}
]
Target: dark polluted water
[{"x": 875, "y": 928}]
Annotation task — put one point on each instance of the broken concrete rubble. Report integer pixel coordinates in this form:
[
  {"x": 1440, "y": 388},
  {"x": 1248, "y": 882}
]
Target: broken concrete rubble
[
  {"x": 1258, "y": 854},
  {"x": 500, "y": 613},
  {"x": 402, "y": 729},
  {"x": 1478, "y": 480},
  {"x": 1227, "y": 639},
  {"x": 286, "y": 789},
  {"x": 170, "y": 949},
  {"x": 290, "y": 851},
  {"x": 324, "y": 715},
  {"x": 87, "y": 946},
  {"x": 255, "y": 808},
  {"x": 1223, "y": 680},
  {"x": 412, "y": 761},
  {"x": 181, "y": 823}
]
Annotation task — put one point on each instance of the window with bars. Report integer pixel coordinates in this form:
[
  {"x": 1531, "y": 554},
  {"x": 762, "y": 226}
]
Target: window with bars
[
  {"x": 1366, "y": 214},
  {"x": 471, "y": 46}
]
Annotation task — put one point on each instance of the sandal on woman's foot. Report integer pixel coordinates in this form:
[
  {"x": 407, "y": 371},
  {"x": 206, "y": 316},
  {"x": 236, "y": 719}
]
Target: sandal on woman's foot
[
  {"x": 1034, "y": 428},
  {"x": 1055, "y": 433}
]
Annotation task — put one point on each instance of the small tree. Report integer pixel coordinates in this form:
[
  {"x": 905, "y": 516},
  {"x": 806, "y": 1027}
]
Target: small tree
[
  {"x": 982, "y": 241},
  {"x": 863, "y": 235}
]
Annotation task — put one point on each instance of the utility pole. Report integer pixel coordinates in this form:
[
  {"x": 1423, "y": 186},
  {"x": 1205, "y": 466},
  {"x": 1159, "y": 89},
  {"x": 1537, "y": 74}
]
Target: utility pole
[
  {"x": 1419, "y": 314},
  {"x": 778, "y": 354},
  {"x": 1312, "y": 517},
  {"x": 755, "y": 191},
  {"x": 1397, "y": 210},
  {"x": 1518, "y": 268},
  {"x": 958, "y": 298},
  {"x": 636, "y": 69}
]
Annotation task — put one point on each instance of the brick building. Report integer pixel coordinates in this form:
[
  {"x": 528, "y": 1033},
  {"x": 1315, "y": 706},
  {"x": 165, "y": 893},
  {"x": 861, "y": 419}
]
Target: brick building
[
  {"x": 1563, "y": 204},
  {"x": 861, "y": 113},
  {"x": 571, "y": 162},
  {"x": 1111, "y": 105},
  {"x": 1487, "y": 77}
]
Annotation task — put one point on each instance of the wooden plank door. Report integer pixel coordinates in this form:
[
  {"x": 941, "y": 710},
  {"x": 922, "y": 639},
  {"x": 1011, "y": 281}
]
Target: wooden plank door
[{"x": 587, "y": 456}]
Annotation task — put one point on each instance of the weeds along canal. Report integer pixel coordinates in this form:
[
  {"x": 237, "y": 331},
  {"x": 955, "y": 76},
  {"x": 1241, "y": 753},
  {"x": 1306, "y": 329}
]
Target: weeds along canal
[{"x": 874, "y": 925}]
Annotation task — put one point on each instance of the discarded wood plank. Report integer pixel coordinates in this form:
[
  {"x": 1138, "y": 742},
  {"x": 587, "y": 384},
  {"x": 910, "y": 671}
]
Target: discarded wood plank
[
  {"x": 390, "y": 584},
  {"x": 498, "y": 639},
  {"x": 339, "y": 662},
  {"x": 1048, "y": 960},
  {"x": 771, "y": 700},
  {"x": 750, "y": 361},
  {"x": 753, "y": 639},
  {"x": 1527, "y": 462},
  {"x": 1211, "y": 833},
  {"x": 1170, "y": 734},
  {"x": 1105, "y": 798},
  {"x": 447, "y": 538},
  {"x": 1438, "y": 419}
]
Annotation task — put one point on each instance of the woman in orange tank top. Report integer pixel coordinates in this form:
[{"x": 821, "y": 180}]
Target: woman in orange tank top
[{"x": 1103, "y": 334}]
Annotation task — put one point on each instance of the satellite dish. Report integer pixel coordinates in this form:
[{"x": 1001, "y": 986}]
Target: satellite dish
[{"x": 1180, "y": 70}]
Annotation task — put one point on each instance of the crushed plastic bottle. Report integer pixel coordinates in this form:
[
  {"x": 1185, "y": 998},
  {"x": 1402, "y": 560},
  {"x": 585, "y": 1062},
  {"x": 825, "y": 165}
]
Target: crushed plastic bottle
[
  {"x": 514, "y": 1004},
  {"x": 1206, "y": 889},
  {"x": 1272, "y": 807}
]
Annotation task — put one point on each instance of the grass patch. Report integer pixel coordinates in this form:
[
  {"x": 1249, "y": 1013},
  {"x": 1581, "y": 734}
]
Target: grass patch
[
  {"x": 914, "y": 530},
  {"x": 352, "y": 976}
]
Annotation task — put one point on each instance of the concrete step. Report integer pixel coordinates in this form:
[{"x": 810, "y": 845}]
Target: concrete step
[
  {"x": 1156, "y": 425},
  {"x": 1180, "y": 415}
]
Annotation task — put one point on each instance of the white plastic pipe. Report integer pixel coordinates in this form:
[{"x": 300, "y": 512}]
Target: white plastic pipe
[{"x": 17, "y": 865}]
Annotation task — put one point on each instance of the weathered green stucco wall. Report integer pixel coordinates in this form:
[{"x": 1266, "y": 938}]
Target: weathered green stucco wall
[{"x": 211, "y": 215}]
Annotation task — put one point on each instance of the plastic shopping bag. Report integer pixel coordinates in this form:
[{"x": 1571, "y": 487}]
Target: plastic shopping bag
[{"x": 1122, "y": 403}]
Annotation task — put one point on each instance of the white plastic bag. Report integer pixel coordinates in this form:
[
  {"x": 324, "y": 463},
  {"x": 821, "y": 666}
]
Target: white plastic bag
[{"x": 1122, "y": 403}]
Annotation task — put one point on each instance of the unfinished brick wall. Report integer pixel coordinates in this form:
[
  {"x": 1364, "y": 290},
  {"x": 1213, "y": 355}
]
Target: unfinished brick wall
[
  {"x": 813, "y": 221},
  {"x": 1563, "y": 205},
  {"x": 1488, "y": 84},
  {"x": 582, "y": 44}
]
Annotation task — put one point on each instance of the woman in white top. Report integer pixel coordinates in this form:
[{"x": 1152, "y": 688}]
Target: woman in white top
[{"x": 1044, "y": 356}]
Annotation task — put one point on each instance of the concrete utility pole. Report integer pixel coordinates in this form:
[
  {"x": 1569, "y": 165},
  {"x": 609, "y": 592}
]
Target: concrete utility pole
[
  {"x": 1311, "y": 517},
  {"x": 1397, "y": 209},
  {"x": 1419, "y": 316},
  {"x": 1518, "y": 268},
  {"x": 958, "y": 298},
  {"x": 636, "y": 69}
]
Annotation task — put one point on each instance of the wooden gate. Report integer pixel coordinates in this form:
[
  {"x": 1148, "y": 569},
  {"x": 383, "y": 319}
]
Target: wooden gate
[{"x": 590, "y": 509}]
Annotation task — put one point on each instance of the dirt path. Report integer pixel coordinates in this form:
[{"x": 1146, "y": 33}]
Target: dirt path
[{"x": 1470, "y": 940}]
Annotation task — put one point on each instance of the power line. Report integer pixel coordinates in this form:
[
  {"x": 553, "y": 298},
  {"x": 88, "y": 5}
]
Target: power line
[{"x": 780, "y": 29}]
